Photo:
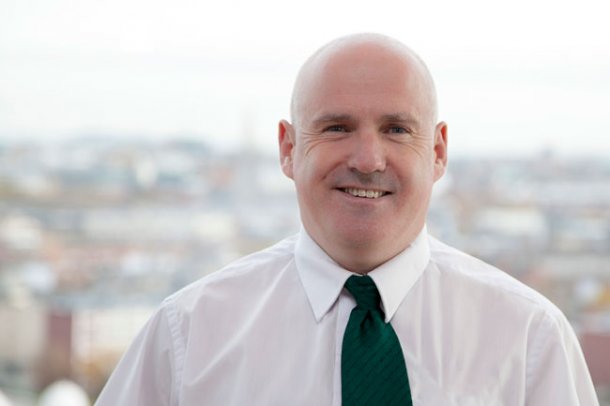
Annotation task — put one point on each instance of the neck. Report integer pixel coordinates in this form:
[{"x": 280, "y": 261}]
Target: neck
[{"x": 362, "y": 259}]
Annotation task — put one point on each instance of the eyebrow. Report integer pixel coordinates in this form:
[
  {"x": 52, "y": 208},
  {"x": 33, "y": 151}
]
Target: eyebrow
[
  {"x": 331, "y": 118},
  {"x": 400, "y": 118},
  {"x": 394, "y": 117}
]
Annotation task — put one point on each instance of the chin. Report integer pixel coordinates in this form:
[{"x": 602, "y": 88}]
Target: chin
[{"x": 361, "y": 238}]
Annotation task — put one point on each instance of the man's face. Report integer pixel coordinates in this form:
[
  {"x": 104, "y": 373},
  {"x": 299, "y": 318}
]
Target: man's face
[{"x": 364, "y": 154}]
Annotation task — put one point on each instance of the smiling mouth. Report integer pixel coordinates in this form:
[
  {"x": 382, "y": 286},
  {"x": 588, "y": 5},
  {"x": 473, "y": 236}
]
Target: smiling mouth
[{"x": 364, "y": 193}]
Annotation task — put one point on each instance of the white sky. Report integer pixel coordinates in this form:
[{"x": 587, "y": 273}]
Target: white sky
[{"x": 513, "y": 76}]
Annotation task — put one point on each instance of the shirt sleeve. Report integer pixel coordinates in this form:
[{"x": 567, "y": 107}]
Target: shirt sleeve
[
  {"x": 146, "y": 374},
  {"x": 556, "y": 370}
]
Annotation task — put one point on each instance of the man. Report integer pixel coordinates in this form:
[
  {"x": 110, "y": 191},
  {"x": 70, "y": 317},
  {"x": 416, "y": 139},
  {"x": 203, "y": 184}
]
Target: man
[{"x": 289, "y": 325}]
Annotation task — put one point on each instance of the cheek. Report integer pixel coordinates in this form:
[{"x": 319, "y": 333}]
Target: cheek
[
  {"x": 422, "y": 158},
  {"x": 416, "y": 177},
  {"x": 421, "y": 149},
  {"x": 315, "y": 160},
  {"x": 306, "y": 176}
]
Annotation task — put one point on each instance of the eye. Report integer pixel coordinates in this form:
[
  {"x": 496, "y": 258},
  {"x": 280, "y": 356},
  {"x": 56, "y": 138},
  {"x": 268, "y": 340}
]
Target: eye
[
  {"x": 336, "y": 128},
  {"x": 397, "y": 130}
]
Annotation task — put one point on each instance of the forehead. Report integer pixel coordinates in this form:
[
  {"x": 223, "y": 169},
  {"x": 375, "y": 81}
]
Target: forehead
[{"x": 363, "y": 78}]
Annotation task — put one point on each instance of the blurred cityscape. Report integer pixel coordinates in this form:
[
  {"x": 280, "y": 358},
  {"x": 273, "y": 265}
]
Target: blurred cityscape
[{"x": 95, "y": 232}]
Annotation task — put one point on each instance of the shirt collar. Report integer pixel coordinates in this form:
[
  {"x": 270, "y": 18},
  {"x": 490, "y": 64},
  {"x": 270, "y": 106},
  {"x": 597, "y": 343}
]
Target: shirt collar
[{"x": 323, "y": 278}]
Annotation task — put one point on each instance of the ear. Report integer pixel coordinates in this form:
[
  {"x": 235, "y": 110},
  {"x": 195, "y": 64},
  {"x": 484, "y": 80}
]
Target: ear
[
  {"x": 286, "y": 139},
  {"x": 440, "y": 150}
]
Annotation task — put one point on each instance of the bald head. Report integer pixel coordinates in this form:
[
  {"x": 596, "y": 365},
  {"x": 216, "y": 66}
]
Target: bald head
[
  {"x": 351, "y": 54},
  {"x": 363, "y": 148}
]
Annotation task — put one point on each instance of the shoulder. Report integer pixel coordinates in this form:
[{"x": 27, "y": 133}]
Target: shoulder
[
  {"x": 160, "y": 352},
  {"x": 477, "y": 277},
  {"x": 509, "y": 320}
]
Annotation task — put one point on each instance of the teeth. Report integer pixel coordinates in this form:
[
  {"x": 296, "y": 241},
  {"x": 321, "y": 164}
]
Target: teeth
[{"x": 369, "y": 194}]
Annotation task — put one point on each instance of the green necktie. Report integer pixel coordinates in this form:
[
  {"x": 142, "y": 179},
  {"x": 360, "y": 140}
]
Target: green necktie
[{"x": 373, "y": 370}]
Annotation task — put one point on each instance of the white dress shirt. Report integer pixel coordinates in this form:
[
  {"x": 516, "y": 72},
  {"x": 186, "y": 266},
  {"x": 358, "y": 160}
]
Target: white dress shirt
[{"x": 267, "y": 330}]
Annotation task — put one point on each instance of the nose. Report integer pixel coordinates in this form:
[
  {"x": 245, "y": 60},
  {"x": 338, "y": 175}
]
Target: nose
[{"x": 367, "y": 152}]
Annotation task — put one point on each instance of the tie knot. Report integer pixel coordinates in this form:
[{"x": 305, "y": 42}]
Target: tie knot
[{"x": 365, "y": 292}]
